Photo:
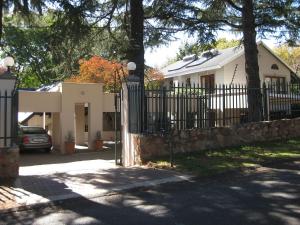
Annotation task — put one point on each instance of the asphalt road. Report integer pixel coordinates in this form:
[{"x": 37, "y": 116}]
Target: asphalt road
[{"x": 268, "y": 196}]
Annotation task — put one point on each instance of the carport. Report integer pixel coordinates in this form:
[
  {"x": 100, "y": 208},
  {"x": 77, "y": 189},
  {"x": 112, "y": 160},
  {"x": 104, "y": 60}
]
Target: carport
[{"x": 66, "y": 102}]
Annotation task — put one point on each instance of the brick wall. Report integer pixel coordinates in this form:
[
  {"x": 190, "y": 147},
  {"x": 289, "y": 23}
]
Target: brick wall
[{"x": 218, "y": 137}]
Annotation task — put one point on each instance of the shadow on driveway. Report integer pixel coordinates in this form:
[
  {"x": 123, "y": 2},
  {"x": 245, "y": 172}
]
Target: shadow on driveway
[{"x": 270, "y": 196}]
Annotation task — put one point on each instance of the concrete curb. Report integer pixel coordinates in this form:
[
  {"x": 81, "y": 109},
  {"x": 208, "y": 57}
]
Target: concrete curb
[{"x": 52, "y": 200}]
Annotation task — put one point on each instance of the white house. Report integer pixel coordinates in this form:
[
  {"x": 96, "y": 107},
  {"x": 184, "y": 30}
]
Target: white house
[
  {"x": 217, "y": 67},
  {"x": 227, "y": 66}
]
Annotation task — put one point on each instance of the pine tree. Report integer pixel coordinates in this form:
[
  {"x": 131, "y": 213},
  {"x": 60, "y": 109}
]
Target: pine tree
[
  {"x": 22, "y": 7},
  {"x": 252, "y": 18}
]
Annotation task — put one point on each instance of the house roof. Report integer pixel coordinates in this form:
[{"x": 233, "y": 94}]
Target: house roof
[{"x": 216, "y": 61}]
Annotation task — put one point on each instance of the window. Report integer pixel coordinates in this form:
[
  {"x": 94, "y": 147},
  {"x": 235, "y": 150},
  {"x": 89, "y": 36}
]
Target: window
[
  {"x": 188, "y": 82},
  {"x": 33, "y": 130},
  {"x": 109, "y": 121},
  {"x": 274, "y": 67},
  {"x": 208, "y": 82},
  {"x": 276, "y": 83}
]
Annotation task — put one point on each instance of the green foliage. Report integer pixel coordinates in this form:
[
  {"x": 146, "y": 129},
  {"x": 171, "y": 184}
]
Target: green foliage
[
  {"x": 278, "y": 18},
  {"x": 71, "y": 30},
  {"x": 44, "y": 51},
  {"x": 20, "y": 9},
  {"x": 30, "y": 49},
  {"x": 291, "y": 55},
  {"x": 223, "y": 43}
]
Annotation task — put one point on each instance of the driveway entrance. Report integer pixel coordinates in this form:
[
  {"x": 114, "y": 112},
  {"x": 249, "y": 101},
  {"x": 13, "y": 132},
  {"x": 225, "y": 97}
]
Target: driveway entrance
[
  {"x": 51, "y": 177},
  {"x": 39, "y": 163}
]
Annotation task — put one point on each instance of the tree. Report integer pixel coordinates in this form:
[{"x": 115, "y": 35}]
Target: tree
[
  {"x": 291, "y": 55},
  {"x": 153, "y": 77},
  {"x": 223, "y": 43},
  {"x": 100, "y": 70},
  {"x": 21, "y": 7},
  {"x": 249, "y": 17},
  {"x": 40, "y": 48},
  {"x": 30, "y": 48},
  {"x": 39, "y": 60}
]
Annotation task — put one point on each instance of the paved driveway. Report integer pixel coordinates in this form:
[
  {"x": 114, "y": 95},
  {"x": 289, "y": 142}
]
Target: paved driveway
[
  {"x": 268, "y": 196},
  {"x": 45, "y": 178},
  {"x": 39, "y": 163}
]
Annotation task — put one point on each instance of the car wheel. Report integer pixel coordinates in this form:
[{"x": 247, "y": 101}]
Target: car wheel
[{"x": 48, "y": 150}]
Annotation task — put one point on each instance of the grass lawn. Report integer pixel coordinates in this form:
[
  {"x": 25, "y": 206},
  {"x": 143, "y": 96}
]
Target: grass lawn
[{"x": 211, "y": 162}]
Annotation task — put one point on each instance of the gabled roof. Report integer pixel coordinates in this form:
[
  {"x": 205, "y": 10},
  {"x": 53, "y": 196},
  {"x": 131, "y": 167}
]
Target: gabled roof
[
  {"x": 276, "y": 56},
  {"x": 216, "y": 61}
]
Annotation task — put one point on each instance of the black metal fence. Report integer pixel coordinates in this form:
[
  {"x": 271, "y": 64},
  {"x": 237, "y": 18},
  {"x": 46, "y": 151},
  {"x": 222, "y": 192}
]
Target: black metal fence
[
  {"x": 8, "y": 118},
  {"x": 156, "y": 109}
]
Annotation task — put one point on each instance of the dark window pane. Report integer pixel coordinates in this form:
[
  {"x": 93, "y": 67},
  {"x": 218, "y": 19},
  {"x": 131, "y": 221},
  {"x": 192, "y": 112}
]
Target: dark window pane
[
  {"x": 109, "y": 121},
  {"x": 33, "y": 130}
]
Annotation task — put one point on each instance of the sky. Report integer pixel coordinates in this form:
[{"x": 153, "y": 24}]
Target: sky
[{"x": 158, "y": 57}]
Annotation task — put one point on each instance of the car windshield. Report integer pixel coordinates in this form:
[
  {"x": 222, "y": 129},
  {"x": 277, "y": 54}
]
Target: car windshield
[{"x": 33, "y": 130}]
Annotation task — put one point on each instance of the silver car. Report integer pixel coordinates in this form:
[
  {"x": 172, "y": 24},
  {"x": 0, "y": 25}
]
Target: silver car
[{"x": 34, "y": 138}]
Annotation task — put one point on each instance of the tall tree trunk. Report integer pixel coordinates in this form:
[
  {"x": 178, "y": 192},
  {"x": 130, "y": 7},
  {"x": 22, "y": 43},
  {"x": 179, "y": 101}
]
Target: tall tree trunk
[
  {"x": 251, "y": 62},
  {"x": 135, "y": 52}
]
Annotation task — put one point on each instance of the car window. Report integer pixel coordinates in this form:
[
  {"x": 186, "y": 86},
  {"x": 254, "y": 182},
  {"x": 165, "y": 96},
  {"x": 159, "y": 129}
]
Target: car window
[{"x": 33, "y": 130}]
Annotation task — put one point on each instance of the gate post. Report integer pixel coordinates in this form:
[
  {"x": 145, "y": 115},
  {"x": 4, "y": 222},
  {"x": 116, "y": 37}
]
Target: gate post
[
  {"x": 130, "y": 142},
  {"x": 9, "y": 151}
]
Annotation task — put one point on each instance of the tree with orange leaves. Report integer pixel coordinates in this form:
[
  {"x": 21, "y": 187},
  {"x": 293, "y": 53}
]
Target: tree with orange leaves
[
  {"x": 100, "y": 70},
  {"x": 153, "y": 77}
]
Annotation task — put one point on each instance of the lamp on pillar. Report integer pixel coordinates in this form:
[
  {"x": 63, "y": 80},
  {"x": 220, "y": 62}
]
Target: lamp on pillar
[
  {"x": 9, "y": 150},
  {"x": 132, "y": 78},
  {"x": 9, "y": 99},
  {"x": 9, "y": 81},
  {"x": 135, "y": 99}
]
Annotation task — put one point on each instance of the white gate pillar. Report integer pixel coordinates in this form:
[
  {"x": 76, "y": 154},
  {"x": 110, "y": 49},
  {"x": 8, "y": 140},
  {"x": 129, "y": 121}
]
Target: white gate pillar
[{"x": 9, "y": 151}]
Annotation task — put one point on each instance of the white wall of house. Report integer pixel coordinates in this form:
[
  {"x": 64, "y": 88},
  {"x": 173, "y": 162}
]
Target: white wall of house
[
  {"x": 196, "y": 77},
  {"x": 225, "y": 74},
  {"x": 228, "y": 71},
  {"x": 266, "y": 60},
  {"x": 219, "y": 76},
  {"x": 179, "y": 80}
]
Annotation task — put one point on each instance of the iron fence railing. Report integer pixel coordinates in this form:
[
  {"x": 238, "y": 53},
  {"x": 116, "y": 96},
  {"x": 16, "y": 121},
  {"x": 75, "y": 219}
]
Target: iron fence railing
[
  {"x": 8, "y": 118},
  {"x": 156, "y": 109}
]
